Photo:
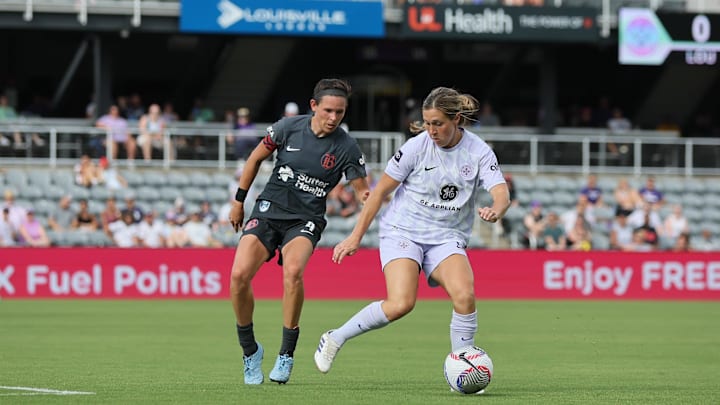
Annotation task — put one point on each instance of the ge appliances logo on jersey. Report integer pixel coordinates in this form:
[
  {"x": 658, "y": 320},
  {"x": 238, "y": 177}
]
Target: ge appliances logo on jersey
[{"x": 304, "y": 182}]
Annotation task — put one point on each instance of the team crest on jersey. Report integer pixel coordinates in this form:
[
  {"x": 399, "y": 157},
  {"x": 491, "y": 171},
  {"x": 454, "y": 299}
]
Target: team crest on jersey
[
  {"x": 270, "y": 131},
  {"x": 403, "y": 245},
  {"x": 398, "y": 155},
  {"x": 285, "y": 173},
  {"x": 251, "y": 224},
  {"x": 328, "y": 161},
  {"x": 466, "y": 172},
  {"x": 362, "y": 160},
  {"x": 264, "y": 205},
  {"x": 449, "y": 192}
]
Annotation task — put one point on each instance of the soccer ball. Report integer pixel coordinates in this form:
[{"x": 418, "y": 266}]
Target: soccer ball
[{"x": 468, "y": 369}]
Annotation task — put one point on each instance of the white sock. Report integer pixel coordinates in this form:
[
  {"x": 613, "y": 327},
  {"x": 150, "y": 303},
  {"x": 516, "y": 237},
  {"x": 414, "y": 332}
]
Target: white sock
[
  {"x": 369, "y": 318},
  {"x": 462, "y": 329}
]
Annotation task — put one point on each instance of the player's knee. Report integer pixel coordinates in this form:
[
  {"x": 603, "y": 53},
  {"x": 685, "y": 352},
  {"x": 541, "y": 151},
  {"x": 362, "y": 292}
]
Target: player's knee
[
  {"x": 240, "y": 278},
  {"x": 464, "y": 299},
  {"x": 396, "y": 309}
]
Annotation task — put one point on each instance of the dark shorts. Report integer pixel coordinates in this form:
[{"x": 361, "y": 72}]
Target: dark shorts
[{"x": 276, "y": 233}]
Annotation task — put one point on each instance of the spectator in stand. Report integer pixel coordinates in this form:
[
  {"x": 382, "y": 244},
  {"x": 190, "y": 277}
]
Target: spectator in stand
[
  {"x": 627, "y": 198},
  {"x": 618, "y": 123},
  {"x": 62, "y": 217},
  {"x": 682, "y": 243},
  {"x": 177, "y": 214},
  {"x": 674, "y": 225},
  {"x": 117, "y": 127},
  {"x": 107, "y": 174},
  {"x": 84, "y": 220},
  {"x": 487, "y": 116},
  {"x": 580, "y": 236},
  {"x": 86, "y": 172},
  {"x": 245, "y": 136},
  {"x": 198, "y": 233},
  {"x": 291, "y": 109},
  {"x": 645, "y": 214},
  {"x": 124, "y": 231},
  {"x": 341, "y": 202},
  {"x": 207, "y": 215},
  {"x": 7, "y": 112},
  {"x": 651, "y": 195},
  {"x": 537, "y": 3},
  {"x": 8, "y": 234},
  {"x": 651, "y": 233},
  {"x": 639, "y": 242},
  {"x": 706, "y": 242},
  {"x": 16, "y": 214},
  {"x": 135, "y": 108},
  {"x": 150, "y": 232},
  {"x": 131, "y": 206},
  {"x": 554, "y": 234},
  {"x": 621, "y": 232},
  {"x": 168, "y": 114},
  {"x": 200, "y": 113},
  {"x": 534, "y": 223},
  {"x": 592, "y": 192},
  {"x": 582, "y": 209},
  {"x": 152, "y": 132},
  {"x": 32, "y": 232},
  {"x": 110, "y": 214}
]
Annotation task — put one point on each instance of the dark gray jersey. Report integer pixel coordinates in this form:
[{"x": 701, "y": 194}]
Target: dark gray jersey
[{"x": 306, "y": 169}]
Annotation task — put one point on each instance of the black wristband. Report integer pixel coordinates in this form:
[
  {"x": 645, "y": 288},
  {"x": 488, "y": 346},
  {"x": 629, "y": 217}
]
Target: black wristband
[{"x": 240, "y": 195}]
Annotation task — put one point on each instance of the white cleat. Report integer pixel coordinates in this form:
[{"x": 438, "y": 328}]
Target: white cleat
[{"x": 326, "y": 352}]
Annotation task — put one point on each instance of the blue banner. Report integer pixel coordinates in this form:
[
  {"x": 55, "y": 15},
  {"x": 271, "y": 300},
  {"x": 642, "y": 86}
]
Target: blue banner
[{"x": 284, "y": 17}]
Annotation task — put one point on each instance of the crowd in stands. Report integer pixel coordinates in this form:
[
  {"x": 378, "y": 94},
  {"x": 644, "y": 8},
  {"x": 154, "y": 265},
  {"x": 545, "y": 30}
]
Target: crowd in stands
[{"x": 632, "y": 219}]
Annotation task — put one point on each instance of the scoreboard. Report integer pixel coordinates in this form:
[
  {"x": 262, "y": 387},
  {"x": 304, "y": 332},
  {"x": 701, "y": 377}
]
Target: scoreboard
[{"x": 649, "y": 38}]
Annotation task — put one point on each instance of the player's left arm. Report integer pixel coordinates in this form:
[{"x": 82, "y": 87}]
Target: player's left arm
[
  {"x": 501, "y": 202},
  {"x": 361, "y": 188}
]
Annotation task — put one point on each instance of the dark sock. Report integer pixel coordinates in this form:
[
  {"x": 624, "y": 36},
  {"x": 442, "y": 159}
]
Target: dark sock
[
  {"x": 246, "y": 336},
  {"x": 289, "y": 341}
]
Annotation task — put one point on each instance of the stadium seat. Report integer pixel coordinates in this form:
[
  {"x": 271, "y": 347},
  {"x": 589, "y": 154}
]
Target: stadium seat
[
  {"x": 155, "y": 178},
  {"x": 671, "y": 184},
  {"x": 169, "y": 193},
  {"x": 44, "y": 207},
  {"x": 30, "y": 192},
  {"x": 100, "y": 193},
  {"x": 133, "y": 178},
  {"x": 98, "y": 238},
  {"x": 545, "y": 183},
  {"x": 219, "y": 179},
  {"x": 200, "y": 179},
  {"x": 695, "y": 185},
  {"x": 148, "y": 193},
  {"x": 16, "y": 177},
  {"x": 40, "y": 178},
  {"x": 178, "y": 179},
  {"x": 193, "y": 194},
  {"x": 217, "y": 195},
  {"x": 79, "y": 193},
  {"x": 63, "y": 178}
]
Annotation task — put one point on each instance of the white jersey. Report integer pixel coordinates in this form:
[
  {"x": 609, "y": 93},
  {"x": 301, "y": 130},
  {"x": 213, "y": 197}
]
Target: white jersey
[{"x": 435, "y": 202}]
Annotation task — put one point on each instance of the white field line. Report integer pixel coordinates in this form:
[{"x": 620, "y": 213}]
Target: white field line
[{"x": 40, "y": 391}]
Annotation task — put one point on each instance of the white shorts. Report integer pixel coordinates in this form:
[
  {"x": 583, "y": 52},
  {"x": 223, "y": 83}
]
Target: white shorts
[{"x": 428, "y": 257}]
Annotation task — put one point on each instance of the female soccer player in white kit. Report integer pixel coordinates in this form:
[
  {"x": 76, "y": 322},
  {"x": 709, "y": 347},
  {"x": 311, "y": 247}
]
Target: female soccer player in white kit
[{"x": 438, "y": 175}]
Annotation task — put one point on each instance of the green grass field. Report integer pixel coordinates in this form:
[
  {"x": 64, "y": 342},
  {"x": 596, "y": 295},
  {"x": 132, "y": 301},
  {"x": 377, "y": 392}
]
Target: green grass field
[{"x": 545, "y": 352}]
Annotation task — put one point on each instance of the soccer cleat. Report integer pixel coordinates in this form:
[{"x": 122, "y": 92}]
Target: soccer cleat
[
  {"x": 252, "y": 372},
  {"x": 326, "y": 352},
  {"x": 283, "y": 367}
]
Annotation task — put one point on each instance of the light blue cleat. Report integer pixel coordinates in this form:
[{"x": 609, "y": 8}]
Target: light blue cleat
[
  {"x": 283, "y": 367},
  {"x": 252, "y": 371}
]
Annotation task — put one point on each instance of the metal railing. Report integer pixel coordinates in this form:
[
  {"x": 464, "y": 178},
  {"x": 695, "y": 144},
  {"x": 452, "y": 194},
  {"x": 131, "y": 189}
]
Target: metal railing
[{"x": 520, "y": 150}]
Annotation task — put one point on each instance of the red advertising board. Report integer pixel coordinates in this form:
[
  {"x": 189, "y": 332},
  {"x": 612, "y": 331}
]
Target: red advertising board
[{"x": 205, "y": 273}]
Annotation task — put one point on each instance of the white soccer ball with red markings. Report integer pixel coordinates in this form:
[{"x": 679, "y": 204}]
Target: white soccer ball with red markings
[{"x": 468, "y": 369}]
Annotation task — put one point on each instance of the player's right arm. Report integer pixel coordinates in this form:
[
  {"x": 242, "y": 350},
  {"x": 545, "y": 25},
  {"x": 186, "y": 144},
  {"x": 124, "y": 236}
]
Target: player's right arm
[
  {"x": 377, "y": 196},
  {"x": 261, "y": 152}
]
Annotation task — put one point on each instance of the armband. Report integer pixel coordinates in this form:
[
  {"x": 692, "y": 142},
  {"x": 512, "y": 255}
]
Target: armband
[{"x": 240, "y": 195}]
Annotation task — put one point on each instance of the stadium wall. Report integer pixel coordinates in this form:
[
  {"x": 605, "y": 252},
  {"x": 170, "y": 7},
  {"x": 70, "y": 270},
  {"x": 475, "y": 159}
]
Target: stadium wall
[{"x": 112, "y": 273}]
